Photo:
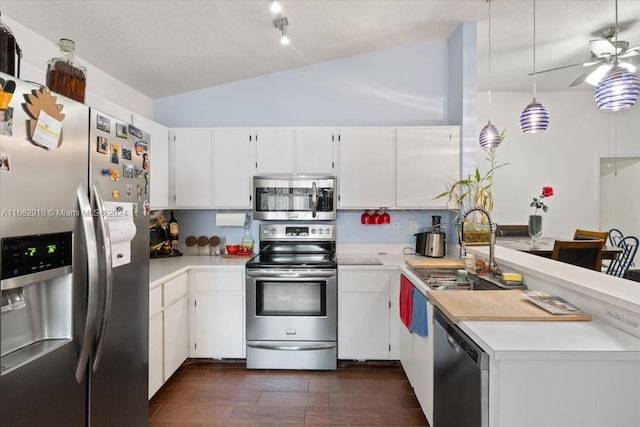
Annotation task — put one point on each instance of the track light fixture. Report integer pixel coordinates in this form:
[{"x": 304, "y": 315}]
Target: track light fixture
[
  {"x": 275, "y": 7},
  {"x": 281, "y": 23}
]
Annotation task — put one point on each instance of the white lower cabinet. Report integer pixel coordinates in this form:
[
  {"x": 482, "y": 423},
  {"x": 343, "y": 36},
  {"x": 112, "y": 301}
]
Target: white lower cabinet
[
  {"x": 168, "y": 330},
  {"x": 363, "y": 314},
  {"x": 416, "y": 357},
  {"x": 218, "y": 317}
]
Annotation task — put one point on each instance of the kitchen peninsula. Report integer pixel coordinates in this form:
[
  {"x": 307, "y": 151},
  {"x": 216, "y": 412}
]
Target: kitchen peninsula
[{"x": 573, "y": 373}]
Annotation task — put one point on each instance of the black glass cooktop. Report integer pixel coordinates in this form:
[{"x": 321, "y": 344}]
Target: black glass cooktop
[{"x": 292, "y": 260}]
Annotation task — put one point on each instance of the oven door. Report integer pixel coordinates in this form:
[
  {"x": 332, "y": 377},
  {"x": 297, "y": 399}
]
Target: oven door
[{"x": 292, "y": 305}]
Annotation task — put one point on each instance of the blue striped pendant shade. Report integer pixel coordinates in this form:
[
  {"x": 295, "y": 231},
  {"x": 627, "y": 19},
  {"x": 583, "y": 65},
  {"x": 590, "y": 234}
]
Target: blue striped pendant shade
[
  {"x": 489, "y": 136},
  {"x": 534, "y": 118},
  {"x": 618, "y": 90}
]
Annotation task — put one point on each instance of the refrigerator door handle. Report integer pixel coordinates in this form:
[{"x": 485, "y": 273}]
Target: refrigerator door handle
[
  {"x": 108, "y": 276},
  {"x": 92, "y": 285}
]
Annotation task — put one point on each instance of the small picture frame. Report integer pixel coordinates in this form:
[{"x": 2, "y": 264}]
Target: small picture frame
[
  {"x": 102, "y": 145},
  {"x": 114, "y": 150},
  {"x": 135, "y": 131},
  {"x": 138, "y": 171},
  {"x": 103, "y": 123},
  {"x": 121, "y": 130},
  {"x": 126, "y": 153},
  {"x": 141, "y": 147},
  {"x": 127, "y": 170}
]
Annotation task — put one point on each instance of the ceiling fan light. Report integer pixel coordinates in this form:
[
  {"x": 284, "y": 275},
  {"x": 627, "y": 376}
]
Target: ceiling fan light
[
  {"x": 489, "y": 136},
  {"x": 627, "y": 66},
  {"x": 534, "y": 118},
  {"x": 618, "y": 90},
  {"x": 594, "y": 78}
]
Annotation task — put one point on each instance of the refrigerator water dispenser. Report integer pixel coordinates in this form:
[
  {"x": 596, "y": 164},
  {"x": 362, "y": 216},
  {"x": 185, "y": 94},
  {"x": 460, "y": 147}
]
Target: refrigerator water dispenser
[{"x": 36, "y": 297}]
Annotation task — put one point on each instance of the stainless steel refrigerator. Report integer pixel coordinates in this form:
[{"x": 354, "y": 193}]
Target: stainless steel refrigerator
[{"x": 74, "y": 204}]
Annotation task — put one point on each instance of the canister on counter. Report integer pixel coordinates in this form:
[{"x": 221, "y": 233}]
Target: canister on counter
[
  {"x": 190, "y": 242},
  {"x": 214, "y": 245},
  {"x": 203, "y": 245}
]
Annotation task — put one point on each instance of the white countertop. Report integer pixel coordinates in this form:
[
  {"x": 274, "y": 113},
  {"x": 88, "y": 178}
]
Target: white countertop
[
  {"x": 592, "y": 340},
  {"x": 163, "y": 269},
  {"x": 501, "y": 339}
]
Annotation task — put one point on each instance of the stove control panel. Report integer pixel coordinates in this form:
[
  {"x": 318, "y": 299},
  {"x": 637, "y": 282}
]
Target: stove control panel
[{"x": 297, "y": 231}]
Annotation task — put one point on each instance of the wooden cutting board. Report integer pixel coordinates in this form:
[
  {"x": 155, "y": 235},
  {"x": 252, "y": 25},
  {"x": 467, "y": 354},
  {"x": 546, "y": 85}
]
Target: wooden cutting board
[
  {"x": 493, "y": 305},
  {"x": 435, "y": 262}
]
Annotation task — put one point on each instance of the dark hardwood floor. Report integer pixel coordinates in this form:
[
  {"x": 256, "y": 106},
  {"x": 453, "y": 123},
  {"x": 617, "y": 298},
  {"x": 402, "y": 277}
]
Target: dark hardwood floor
[{"x": 215, "y": 393}]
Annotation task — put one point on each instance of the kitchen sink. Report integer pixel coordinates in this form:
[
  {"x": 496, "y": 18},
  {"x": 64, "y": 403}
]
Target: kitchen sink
[{"x": 447, "y": 279}]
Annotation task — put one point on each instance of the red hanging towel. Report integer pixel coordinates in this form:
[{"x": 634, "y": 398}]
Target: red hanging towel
[{"x": 406, "y": 301}]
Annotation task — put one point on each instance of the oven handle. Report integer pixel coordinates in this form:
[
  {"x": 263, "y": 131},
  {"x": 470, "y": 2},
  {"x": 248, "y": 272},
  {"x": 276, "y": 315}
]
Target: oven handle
[
  {"x": 292, "y": 347},
  {"x": 291, "y": 274}
]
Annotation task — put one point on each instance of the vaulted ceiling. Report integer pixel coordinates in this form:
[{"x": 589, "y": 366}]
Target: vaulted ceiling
[{"x": 166, "y": 47}]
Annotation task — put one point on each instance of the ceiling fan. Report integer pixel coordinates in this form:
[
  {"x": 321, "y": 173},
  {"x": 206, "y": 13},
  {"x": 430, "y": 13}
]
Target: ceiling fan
[{"x": 603, "y": 54}]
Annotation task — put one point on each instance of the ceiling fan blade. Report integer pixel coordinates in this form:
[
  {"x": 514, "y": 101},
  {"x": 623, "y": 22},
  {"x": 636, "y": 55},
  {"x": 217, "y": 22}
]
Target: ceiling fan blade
[
  {"x": 557, "y": 68},
  {"x": 583, "y": 77},
  {"x": 632, "y": 51}
]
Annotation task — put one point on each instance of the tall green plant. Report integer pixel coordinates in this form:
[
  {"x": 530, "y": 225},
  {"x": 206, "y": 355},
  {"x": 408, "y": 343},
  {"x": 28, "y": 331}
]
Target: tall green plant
[{"x": 474, "y": 191}]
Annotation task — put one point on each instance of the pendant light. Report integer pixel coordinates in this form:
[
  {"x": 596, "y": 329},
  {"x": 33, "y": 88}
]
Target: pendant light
[
  {"x": 489, "y": 135},
  {"x": 535, "y": 117},
  {"x": 619, "y": 89}
]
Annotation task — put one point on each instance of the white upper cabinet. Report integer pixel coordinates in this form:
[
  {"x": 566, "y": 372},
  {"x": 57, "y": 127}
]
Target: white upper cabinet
[
  {"x": 231, "y": 168},
  {"x": 158, "y": 160},
  {"x": 428, "y": 158},
  {"x": 192, "y": 167},
  {"x": 274, "y": 150},
  {"x": 314, "y": 151},
  {"x": 366, "y": 158}
]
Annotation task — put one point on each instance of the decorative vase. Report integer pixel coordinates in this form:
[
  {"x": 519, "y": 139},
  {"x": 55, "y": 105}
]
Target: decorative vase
[{"x": 535, "y": 227}]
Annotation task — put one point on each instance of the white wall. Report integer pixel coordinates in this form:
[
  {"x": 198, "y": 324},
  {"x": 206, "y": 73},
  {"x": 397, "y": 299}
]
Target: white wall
[
  {"x": 565, "y": 157},
  {"x": 103, "y": 91},
  {"x": 399, "y": 86}
]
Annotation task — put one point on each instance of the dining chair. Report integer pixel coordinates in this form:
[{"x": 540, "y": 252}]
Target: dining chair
[
  {"x": 512, "y": 230},
  {"x": 590, "y": 235},
  {"x": 615, "y": 236},
  {"x": 621, "y": 264},
  {"x": 583, "y": 253}
]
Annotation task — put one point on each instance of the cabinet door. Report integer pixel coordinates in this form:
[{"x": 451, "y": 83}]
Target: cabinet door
[
  {"x": 176, "y": 336},
  {"x": 156, "y": 378},
  {"x": 363, "y": 326},
  {"x": 231, "y": 168},
  {"x": 274, "y": 150},
  {"x": 159, "y": 160},
  {"x": 192, "y": 167},
  {"x": 428, "y": 158},
  {"x": 423, "y": 369},
  {"x": 314, "y": 151},
  {"x": 367, "y": 168},
  {"x": 219, "y": 326}
]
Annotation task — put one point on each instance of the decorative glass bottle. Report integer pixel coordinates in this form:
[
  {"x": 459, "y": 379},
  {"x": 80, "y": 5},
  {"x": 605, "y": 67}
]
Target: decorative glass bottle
[
  {"x": 246, "y": 244},
  {"x": 9, "y": 51},
  {"x": 64, "y": 75}
]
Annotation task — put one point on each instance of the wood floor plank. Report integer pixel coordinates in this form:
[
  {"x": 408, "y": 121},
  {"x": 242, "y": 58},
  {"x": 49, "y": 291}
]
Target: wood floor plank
[{"x": 208, "y": 393}]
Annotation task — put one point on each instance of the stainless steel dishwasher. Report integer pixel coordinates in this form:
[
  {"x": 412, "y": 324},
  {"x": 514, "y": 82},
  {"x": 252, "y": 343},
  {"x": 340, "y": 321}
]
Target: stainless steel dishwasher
[{"x": 461, "y": 378}]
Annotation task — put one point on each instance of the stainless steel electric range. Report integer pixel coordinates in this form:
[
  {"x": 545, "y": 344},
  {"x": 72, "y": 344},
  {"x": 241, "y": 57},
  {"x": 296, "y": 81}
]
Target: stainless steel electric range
[{"x": 292, "y": 298}]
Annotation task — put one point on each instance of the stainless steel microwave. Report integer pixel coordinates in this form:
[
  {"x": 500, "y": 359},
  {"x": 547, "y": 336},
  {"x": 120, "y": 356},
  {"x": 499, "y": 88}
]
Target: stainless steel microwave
[{"x": 294, "y": 197}]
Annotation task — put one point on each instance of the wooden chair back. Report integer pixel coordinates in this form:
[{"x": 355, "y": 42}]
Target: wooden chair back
[
  {"x": 512, "y": 230},
  {"x": 583, "y": 253},
  {"x": 590, "y": 235}
]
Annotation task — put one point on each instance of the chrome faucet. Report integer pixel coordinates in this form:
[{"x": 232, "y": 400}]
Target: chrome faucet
[{"x": 493, "y": 267}]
